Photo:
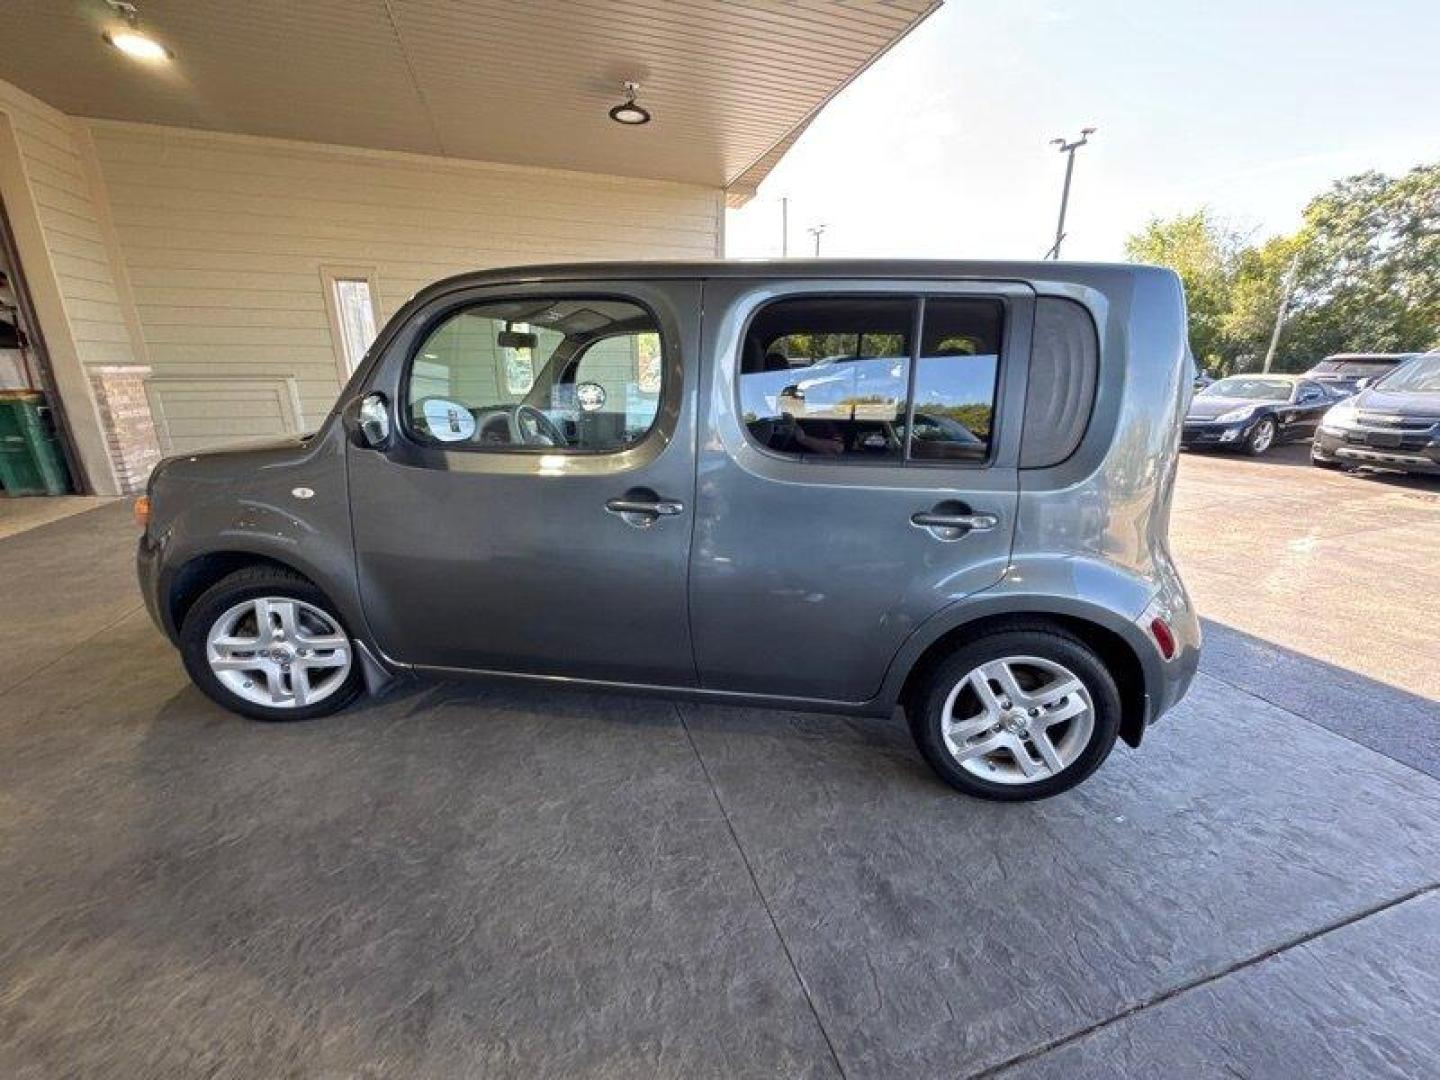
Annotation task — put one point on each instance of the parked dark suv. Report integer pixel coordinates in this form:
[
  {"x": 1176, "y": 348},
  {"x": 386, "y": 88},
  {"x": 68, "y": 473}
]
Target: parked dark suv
[
  {"x": 1393, "y": 424},
  {"x": 1345, "y": 372},
  {"x": 839, "y": 486}
]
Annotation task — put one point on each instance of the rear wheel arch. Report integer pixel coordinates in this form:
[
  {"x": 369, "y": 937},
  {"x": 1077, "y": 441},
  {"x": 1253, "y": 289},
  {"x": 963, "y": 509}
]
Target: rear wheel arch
[{"x": 1118, "y": 654}]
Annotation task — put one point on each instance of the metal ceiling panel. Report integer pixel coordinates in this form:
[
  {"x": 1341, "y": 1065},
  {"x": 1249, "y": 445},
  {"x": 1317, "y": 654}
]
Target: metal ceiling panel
[{"x": 730, "y": 83}]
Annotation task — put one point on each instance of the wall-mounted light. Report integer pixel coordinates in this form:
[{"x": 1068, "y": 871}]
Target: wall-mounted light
[
  {"x": 130, "y": 40},
  {"x": 627, "y": 112}
]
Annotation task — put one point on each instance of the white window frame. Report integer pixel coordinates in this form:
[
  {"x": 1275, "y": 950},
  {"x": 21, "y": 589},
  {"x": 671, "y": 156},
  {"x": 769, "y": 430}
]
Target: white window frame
[{"x": 330, "y": 278}]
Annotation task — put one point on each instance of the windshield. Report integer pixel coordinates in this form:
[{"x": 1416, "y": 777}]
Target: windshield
[
  {"x": 1354, "y": 367},
  {"x": 1243, "y": 386},
  {"x": 1420, "y": 376}
]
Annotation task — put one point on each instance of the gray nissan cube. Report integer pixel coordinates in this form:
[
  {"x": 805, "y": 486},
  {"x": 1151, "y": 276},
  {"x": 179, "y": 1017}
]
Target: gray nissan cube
[{"x": 842, "y": 486}]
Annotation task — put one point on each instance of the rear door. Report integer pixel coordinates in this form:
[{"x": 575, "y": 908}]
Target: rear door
[
  {"x": 532, "y": 512},
  {"x": 824, "y": 533}
]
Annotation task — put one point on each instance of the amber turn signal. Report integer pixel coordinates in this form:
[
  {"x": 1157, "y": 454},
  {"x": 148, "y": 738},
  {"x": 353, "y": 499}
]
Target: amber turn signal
[{"x": 142, "y": 511}]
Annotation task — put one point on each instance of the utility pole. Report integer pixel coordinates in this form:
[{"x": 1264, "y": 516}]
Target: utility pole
[
  {"x": 784, "y": 227},
  {"x": 816, "y": 231},
  {"x": 1280, "y": 311},
  {"x": 1068, "y": 148}
]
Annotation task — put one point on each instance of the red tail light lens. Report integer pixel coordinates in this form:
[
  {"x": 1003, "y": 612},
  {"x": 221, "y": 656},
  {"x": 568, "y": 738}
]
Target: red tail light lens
[{"x": 1164, "y": 637}]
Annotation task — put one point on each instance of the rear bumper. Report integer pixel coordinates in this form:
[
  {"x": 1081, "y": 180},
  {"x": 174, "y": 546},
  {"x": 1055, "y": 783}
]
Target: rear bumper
[
  {"x": 1382, "y": 449},
  {"x": 1168, "y": 680}
]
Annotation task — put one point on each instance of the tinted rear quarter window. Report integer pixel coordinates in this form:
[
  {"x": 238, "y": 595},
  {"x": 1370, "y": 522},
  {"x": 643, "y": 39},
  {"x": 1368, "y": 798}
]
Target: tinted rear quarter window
[{"x": 1064, "y": 367}]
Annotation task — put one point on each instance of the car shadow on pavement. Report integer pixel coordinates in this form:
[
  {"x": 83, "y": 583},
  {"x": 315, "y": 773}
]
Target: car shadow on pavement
[
  {"x": 1385, "y": 718},
  {"x": 1293, "y": 455},
  {"x": 1285, "y": 454}
]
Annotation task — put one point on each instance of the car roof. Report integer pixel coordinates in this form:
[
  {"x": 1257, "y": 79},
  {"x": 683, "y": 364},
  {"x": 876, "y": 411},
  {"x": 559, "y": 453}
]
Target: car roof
[
  {"x": 1096, "y": 274},
  {"x": 1370, "y": 356}
]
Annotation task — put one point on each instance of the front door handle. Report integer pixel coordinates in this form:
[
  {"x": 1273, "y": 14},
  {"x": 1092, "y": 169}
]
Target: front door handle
[
  {"x": 659, "y": 507},
  {"x": 641, "y": 508},
  {"x": 930, "y": 519}
]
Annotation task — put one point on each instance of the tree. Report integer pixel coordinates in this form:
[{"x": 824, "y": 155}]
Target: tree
[
  {"x": 1204, "y": 252},
  {"x": 1368, "y": 275},
  {"x": 1255, "y": 292},
  {"x": 1370, "y": 268}
]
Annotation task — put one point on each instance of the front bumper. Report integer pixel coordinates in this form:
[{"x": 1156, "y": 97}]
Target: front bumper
[
  {"x": 147, "y": 570},
  {"x": 1212, "y": 433},
  {"x": 1383, "y": 448}
]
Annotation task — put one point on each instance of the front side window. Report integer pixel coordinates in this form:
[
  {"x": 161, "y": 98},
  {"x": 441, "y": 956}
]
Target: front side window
[
  {"x": 567, "y": 375},
  {"x": 831, "y": 378}
]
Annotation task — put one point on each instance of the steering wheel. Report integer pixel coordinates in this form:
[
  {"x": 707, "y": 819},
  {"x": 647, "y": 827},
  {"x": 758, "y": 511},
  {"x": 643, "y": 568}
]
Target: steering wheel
[{"x": 520, "y": 416}]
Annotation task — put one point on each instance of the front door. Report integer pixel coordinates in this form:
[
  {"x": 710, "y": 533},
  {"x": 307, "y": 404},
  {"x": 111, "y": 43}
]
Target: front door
[
  {"x": 858, "y": 472},
  {"x": 532, "y": 511},
  {"x": 1311, "y": 403}
]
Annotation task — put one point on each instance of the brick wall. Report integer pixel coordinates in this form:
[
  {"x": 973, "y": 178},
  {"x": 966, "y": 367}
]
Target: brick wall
[{"x": 125, "y": 415}]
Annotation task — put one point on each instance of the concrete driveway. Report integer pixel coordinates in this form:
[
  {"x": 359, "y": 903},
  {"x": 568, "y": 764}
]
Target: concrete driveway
[{"x": 460, "y": 880}]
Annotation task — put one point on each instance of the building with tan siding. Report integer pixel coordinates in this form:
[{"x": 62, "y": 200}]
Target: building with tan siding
[{"x": 206, "y": 242}]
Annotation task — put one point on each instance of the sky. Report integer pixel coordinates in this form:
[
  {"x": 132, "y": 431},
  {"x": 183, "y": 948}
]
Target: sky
[{"x": 941, "y": 149}]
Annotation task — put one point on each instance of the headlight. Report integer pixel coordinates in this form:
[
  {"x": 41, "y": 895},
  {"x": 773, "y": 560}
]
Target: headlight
[
  {"x": 1339, "y": 416},
  {"x": 1236, "y": 414}
]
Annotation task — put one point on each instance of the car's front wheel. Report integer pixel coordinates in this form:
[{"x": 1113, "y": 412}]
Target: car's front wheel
[
  {"x": 1261, "y": 437},
  {"x": 1017, "y": 714},
  {"x": 266, "y": 643}
]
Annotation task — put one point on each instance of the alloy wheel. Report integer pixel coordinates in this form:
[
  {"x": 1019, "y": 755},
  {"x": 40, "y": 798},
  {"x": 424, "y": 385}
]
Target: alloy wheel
[
  {"x": 1263, "y": 437},
  {"x": 1017, "y": 720},
  {"x": 278, "y": 652}
]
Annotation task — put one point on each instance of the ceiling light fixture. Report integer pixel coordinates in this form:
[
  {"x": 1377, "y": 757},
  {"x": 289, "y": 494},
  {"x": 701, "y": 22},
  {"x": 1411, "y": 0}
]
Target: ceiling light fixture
[
  {"x": 129, "y": 39},
  {"x": 628, "y": 112}
]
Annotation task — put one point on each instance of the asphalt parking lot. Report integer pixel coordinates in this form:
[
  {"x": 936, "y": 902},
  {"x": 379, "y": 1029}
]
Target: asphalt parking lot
[{"x": 460, "y": 880}]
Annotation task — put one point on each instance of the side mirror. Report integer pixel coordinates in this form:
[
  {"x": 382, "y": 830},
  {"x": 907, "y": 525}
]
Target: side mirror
[
  {"x": 1363, "y": 384},
  {"x": 374, "y": 416}
]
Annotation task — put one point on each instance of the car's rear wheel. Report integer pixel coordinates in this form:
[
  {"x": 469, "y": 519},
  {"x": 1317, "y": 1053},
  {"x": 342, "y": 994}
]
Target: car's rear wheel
[
  {"x": 1261, "y": 437},
  {"x": 266, "y": 643},
  {"x": 1017, "y": 714}
]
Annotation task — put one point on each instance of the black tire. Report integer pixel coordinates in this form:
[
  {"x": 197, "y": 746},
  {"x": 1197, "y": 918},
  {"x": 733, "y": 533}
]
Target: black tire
[
  {"x": 1045, "y": 642},
  {"x": 249, "y": 584},
  {"x": 1253, "y": 445}
]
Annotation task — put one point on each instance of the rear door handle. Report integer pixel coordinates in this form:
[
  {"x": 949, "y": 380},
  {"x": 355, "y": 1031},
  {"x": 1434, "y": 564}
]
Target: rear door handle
[
  {"x": 929, "y": 519},
  {"x": 659, "y": 507}
]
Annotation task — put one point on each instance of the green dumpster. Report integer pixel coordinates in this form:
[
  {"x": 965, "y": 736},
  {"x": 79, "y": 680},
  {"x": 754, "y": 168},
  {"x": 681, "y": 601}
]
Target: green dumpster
[{"x": 31, "y": 462}]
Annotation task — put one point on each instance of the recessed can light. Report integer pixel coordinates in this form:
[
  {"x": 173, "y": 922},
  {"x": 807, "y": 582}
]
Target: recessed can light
[
  {"x": 137, "y": 45},
  {"x": 130, "y": 40}
]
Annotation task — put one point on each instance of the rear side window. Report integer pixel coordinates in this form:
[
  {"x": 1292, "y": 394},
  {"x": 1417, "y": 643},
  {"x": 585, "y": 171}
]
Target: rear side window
[
  {"x": 955, "y": 380},
  {"x": 1064, "y": 366},
  {"x": 839, "y": 379}
]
